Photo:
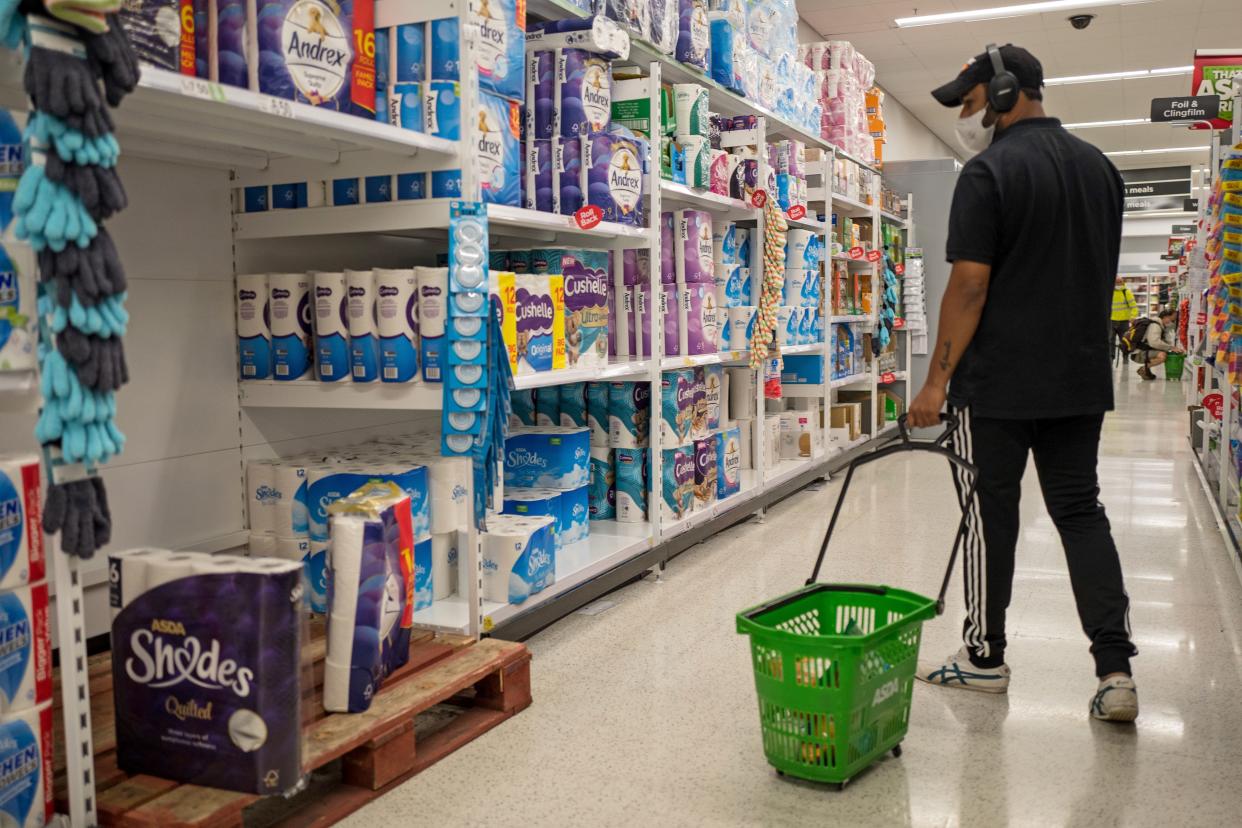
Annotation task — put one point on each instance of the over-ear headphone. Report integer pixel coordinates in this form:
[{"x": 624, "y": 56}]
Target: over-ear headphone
[{"x": 1003, "y": 87}]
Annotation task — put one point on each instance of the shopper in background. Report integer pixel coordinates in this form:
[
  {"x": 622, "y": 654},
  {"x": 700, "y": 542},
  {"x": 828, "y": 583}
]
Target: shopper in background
[
  {"x": 1034, "y": 236},
  {"x": 1153, "y": 348},
  {"x": 1125, "y": 309}
]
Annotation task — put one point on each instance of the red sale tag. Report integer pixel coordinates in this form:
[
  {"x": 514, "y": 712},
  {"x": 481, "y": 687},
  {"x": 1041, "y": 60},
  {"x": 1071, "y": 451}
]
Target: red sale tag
[
  {"x": 1201, "y": 318},
  {"x": 874, "y": 255},
  {"x": 1215, "y": 404},
  {"x": 797, "y": 212},
  {"x": 759, "y": 198},
  {"x": 887, "y": 377},
  {"x": 898, "y": 323},
  {"x": 856, "y": 252},
  {"x": 588, "y": 216},
  {"x": 900, "y": 270}
]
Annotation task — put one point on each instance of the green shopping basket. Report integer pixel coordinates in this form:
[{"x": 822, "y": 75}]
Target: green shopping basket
[
  {"x": 834, "y": 663},
  {"x": 1173, "y": 365}
]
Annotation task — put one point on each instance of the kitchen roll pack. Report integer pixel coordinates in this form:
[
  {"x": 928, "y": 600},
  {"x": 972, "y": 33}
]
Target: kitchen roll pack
[
  {"x": 370, "y": 594},
  {"x": 254, "y": 333},
  {"x": 26, "y": 798},
  {"x": 362, "y": 324},
  {"x": 289, "y": 305},
  {"x": 397, "y": 318},
  {"x": 21, "y": 532},
  {"x": 331, "y": 326},
  {"x": 25, "y": 649},
  {"x": 195, "y": 700}
]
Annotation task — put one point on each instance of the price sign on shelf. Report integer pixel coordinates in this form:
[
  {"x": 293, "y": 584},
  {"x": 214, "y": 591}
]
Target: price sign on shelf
[
  {"x": 759, "y": 198},
  {"x": 888, "y": 377},
  {"x": 588, "y": 217},
  {"x": 900, "y": 269},
  {"x": 1201, "y": 318},
  {"x": 856, "y": 253},
  {"x": 898, "y": 323},
  {"x": 874, "y": 255},
  {"x": 199, "y": 88},
  {"x": 1215, "y": 404},
  {"x": 276, "y": 106},
  {"x": 797, "y": 212}
]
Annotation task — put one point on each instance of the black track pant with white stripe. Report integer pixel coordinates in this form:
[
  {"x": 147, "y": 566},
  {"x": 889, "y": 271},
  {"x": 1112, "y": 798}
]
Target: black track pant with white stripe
[{"x": 1066, "y": 450}]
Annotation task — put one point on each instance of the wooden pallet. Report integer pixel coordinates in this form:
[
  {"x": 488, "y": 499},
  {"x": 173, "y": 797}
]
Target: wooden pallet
[{"x": 470, "y": 687}]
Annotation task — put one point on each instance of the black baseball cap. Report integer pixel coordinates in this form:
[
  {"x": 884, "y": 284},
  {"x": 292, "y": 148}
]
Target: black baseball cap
[{"x": 1019, "y": 61}]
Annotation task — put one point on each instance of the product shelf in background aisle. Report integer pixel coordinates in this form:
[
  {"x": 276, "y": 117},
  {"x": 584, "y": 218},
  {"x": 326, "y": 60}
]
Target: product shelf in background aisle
[
  {"x": 617, "y": 369},
  {"x": 856, "y": 379},
  {"x": 672, "y": 363},
  {"x": 721, "y": 207},
  {"x": 895, "y": 220},
  {"x": 852, "y": 207},
  {"x": 342, "y": 394},
  {"x": 848, "y": 318},
  {"x": 750, "y": 488}
]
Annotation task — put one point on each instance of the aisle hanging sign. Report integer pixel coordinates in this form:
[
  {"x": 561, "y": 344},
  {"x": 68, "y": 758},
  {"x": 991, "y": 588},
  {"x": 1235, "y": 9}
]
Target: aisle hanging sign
[
  {"x": 1217, "y": 71},
  {"x": 1189, "y": 108}
]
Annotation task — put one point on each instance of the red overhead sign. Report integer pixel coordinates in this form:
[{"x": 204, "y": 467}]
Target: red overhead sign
[{"x": 1217, "y": 72}]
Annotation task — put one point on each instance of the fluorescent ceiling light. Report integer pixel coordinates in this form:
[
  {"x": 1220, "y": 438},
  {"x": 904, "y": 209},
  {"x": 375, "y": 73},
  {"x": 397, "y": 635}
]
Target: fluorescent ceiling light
[
  {"x": 1112, "y": 76},
  {"x": 1000, "y": 12},
  {"x": 1093, "y": 124},
  {"x": 1156, "y": 151}
]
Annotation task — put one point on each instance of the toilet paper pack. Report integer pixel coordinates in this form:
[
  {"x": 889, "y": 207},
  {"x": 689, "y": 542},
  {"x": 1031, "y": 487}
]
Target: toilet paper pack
[
  {"x": 26, "y": 799},
  {"x": 541, "y": 109},
  {"x": 26, "y": 654},
  {"x": 690, "y": 109},
  {"x": 290, "y": 310},
  {"x": 697, "y": 325},
  {"x": 629, "y": 414},
  {"x": 315, "y": 577},
  {"x": 230, "y": 58},
  {"x": 667, "y": 307},
  {"x": 306, "y": 53},
  {"x": 535, "y": 501},
  {"x": 540, "y": 322},
  {"x": 698, "y": 419},
  {"x": 575, "y": 515},
  {"x": 497, "y": 150},
  {"x": 289, "y": 510},
  {"x": 602, "y": 490},
  {"x": 713, "y": 382},
  {"x": 444, "y": 552},
  {"x": 677, "y": 486},
  {"x": 741, "y": 327},
  {"x": 548, "y": 407},
  {"x": 584, "y": 90},
  {"x": 362, "y": 324},
  {"x": 705, "y": 451},
  {"x": 632, "y": 469},
  {"x": 396, "y": 310},
  {"x": 612, "y": 176},
  {"x": 540, "y": 192},
  {"x": 518, "y": 557},
  {"x": 549, "y": 457},
  {"x": 254, "y": 334},
  {"x": 585, "y": 277},
  {"x": 22, "y": 558},
  {"x": 694, "y": 34},
  {"x": 500, "y": 45},
  {"x": 728, "y": 462},
  {"x": 597, "y": 412},
  {"x": 693, "y": 247},
  {"x": 331, "y": 326},
  {"x": 573, "y": 399},
  {"x": 194, "y": 700},
  {"x": 676, "y": 406}
]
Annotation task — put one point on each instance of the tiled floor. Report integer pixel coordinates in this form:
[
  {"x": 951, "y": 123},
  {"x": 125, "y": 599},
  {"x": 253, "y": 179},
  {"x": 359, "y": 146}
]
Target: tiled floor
[{"x": 646, "y": 715}]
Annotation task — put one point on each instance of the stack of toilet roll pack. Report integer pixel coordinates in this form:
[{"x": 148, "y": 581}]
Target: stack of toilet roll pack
[
  {"x": 197, "y": 701},
  {"x": 370, "y": 596},
  {"x": 25, "y": 649},
  {"x": 288, "y": 500}
]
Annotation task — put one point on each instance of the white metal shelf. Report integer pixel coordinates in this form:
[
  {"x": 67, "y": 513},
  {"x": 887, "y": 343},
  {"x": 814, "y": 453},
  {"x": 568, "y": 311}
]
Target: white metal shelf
[
  {"x": 672, "y": 363},
  {"x": 845, "y": 382},
  {"x": 723, "y": 206},
  {"x": 841, "y": 257},
  {"x": 898, "y": 376},
  {"x": 806, "y": 223},
  {"x": 891, "y": 218},
  {"x": 803, "y": 348},
  {"x": 425, "y": 218},
  {"x": 852, "y": 207},
  {"x": 615, "y": 370},
  {"x": 785, "y": 470},
  {"x": 858, "y": 317},
  {"x": 178, "y": 118},
  {"x": 748, "y": 490},
  {"x": 309, "y": 393}
]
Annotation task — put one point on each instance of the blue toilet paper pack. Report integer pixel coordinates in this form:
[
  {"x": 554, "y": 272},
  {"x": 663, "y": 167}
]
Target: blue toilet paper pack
[
  {"x": 549, "y": 457},
  {"x": 497, "y": 156},
  {"x": 575, "y": 515},
  {"x": 500, "y": 48},
  {"x": 518, "y": 557}
]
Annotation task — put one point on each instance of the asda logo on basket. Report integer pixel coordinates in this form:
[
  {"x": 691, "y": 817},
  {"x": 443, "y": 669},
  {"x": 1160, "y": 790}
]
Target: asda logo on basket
[{"x": 884, "y": 692}]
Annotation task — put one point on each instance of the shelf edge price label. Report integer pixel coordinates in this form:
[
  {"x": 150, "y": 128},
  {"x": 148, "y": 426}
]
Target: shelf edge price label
[
  {"x": 1201, "y": 318},
  {"x": 856, "y": 253},
  {"x": 898, "y": 323},
  {"x": 874, "y": 255},
  {"x": 281, "y": 107},
  {"x": 199, "y": 88},
  {"x": 888, "y": 377},
  {"x": 1215, "y": 404},
  {"x": 899, "y": 269},
  {"x": 588, "y": 217},
  {"x": 759, "y": 198},
  {"x": 797, "y": 212}
]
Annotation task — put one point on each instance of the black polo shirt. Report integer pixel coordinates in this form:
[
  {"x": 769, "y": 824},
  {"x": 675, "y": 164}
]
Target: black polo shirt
[{"x": 1043, "y": 208}]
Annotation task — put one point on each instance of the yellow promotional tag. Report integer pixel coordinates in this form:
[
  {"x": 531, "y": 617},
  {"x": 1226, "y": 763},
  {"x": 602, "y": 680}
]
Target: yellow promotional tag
[
  {"x": 1234, "y": 199},
  {"x": 1233, "y": 164},
  {"x": 1233, "y": 255},
  {"x": 1233, "y": 218},
  {"x": 1231, "y": 186},
  {"x": 1233, "y": 238}
]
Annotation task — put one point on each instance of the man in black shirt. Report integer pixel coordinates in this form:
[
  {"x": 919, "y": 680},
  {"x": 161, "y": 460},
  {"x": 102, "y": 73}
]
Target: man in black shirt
[{"x": 1034, "y": 235}]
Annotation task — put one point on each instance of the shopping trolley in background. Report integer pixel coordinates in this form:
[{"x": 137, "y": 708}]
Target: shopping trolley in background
[{"x": 834, "y": 663}]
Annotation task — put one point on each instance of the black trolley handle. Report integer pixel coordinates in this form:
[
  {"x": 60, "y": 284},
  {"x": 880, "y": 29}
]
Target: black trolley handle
[{"x": 904, "y": 443}]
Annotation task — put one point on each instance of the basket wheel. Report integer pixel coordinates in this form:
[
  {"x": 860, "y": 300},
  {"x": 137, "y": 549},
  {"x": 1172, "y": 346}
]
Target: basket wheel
[
  {"x": 897, "y": 749},
  {"x": 841, "y": 785}
]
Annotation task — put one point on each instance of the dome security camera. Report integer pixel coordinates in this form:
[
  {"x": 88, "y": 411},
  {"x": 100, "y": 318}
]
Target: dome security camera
[{"x": 1081, "y": 21}]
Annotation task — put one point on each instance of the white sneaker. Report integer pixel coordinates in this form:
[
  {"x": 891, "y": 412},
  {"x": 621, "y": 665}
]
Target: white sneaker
[
  {"x": 1116, "y": 700},
  {"x": 957, "y": 671}
]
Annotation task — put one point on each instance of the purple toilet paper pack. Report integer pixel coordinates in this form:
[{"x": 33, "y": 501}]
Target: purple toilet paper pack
[
  {"x": 677, "y": 482},
  {"x": 195, "y": 700},
  {"x": 705, "y": 471},
  {"x": 666, "y": 306},
  {"x": 306, "y": 54},
  {"x": 668, "y": 252},
  {"x": 567, "y": 173},
  {"x": 541, "y": 109},
  {"x": 229, "y": 61},
  {"x": 612, "y": 175},
  {"x": 693, "y": 247},
  {"x": 694, "y": 34},
  {"x": 540, "y": 194},
  {"x": 584, "y": 90},
  {"x": 697, "y": 319},
  {"x": 698, "y": 410},
  {"x": 585, "y": 274}
]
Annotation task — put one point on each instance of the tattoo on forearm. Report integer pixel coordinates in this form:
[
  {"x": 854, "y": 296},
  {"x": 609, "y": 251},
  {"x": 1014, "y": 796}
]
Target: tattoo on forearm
[{"x": 944, "y": 358}]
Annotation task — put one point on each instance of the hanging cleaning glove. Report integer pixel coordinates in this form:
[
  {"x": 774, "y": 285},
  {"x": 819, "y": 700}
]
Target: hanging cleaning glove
[
  {"x": 48, "y": 215},
  {"x": 12, "y": 24},
  {"x": 98, "y": 188},
  {"x": 58, "y": 79},
  {"x": 89, "y": 273},
  {"x": 99, "y": 362},
  {"x": 113, "y": 61},
  {"x": 79, "y": 510},
  {"x": 45, "y": 130}
]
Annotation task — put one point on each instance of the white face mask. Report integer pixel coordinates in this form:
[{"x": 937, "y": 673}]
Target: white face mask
[{"x": 972, "y": 134}]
